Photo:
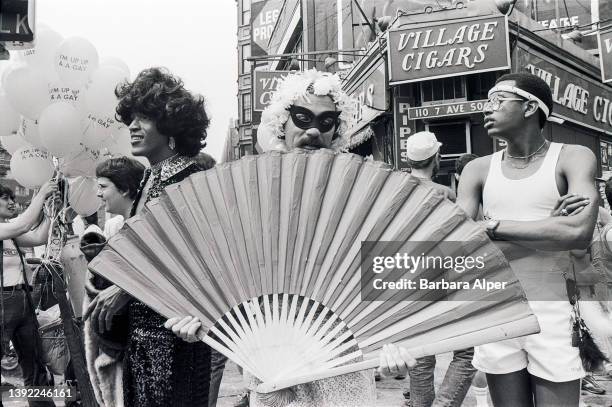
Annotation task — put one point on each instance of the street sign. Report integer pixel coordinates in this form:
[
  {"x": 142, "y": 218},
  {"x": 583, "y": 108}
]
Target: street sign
[
  {"x": 16, "y": 21},
  {"x": 445, "y": 110}
]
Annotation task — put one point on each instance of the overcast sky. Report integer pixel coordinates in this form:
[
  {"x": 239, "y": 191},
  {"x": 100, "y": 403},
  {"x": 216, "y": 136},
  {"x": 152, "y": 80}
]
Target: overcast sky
[{"x": 195, "y": 39}]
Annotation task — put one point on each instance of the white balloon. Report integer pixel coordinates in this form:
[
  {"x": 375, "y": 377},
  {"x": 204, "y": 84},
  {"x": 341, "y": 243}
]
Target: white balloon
[
  {"x": 60, "y": 129},
  {"x": 31, "y": 167},
  {"x": 100, "y": 94},
  {"x": 13, "y": 142},
  {"x": 117, "y": 63},
  {"x": 76, "y": 58},
  {"x": 28, "y": 130},
  {"x": 60, "y": 92},
  {"x": 26, "y": 90},
  {"x": 98, "y": 128},
  {"x": 83, "y": 195},
  {"x": 42, "y": 55},
  {"x": 9, "y": 118},
  {"x": 81, "y": 163},
  {"x": 119, "y": 144}
]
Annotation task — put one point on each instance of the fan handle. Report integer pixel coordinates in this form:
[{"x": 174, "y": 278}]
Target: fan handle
[{"x": 514, "y": 329}]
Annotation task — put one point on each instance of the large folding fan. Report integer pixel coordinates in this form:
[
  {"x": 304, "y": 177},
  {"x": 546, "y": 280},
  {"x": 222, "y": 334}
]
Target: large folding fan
[{"x": 266, "y": 252}]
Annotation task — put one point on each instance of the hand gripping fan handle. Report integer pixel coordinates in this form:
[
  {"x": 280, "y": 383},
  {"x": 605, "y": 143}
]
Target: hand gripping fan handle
[{"x": 526, "y": 326}]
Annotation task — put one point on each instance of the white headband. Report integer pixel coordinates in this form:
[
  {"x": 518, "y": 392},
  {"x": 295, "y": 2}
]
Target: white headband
[{"x": 523, "y": 93}]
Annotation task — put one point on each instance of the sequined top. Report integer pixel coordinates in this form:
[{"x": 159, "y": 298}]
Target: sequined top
[{"x": 160, "y": 368}]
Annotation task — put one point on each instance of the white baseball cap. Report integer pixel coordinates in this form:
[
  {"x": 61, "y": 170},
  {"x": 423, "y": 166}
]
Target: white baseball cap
[{"x": 422, "y": 145}]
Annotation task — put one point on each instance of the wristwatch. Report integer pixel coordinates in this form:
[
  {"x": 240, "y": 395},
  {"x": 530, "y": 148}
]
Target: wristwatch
[{"x": 491, "y": 227}]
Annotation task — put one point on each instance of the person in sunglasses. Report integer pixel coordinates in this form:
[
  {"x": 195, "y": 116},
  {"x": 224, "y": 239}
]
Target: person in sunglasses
[
  {"x": 519, "y": 188},
  {"x": 309, "y": 110}
]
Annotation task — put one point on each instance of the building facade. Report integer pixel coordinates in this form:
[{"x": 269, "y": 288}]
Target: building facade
[
  {"x": 401, "y": 87},
  {"x": 420, "y": 79}
]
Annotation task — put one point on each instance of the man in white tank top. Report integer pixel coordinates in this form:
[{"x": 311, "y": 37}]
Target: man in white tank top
[{"x": 518, "y": 188}]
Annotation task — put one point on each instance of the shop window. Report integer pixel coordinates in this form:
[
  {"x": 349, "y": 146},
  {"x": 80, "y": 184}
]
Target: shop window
[
  {"x": 454, "y": 136},
  {"x": 478, "y": 85},
  {"x": 443, "y": 90}
]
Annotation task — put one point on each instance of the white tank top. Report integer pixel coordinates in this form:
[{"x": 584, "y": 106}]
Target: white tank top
[{"x": 526, "y": 199}]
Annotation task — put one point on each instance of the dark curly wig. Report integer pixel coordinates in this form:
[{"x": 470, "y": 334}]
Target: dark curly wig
[{"x": 159, "y": 96}]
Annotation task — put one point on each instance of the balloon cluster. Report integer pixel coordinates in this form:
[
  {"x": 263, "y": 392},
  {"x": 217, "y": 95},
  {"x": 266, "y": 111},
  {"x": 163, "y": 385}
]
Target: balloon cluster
[{"x": 57, "y": 105}]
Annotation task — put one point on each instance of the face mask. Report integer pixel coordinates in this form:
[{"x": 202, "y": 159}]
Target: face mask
[{"x": 305, "y": 119}]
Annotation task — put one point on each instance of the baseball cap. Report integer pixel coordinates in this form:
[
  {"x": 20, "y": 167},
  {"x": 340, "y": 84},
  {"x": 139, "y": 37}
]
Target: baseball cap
[{"x": 422, "y": 145}]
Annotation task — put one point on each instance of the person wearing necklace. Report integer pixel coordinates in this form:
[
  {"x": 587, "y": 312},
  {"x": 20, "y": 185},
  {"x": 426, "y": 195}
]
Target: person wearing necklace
[
  {"x": 167, "y": 126},
  {"x": 519, "y": 188}
]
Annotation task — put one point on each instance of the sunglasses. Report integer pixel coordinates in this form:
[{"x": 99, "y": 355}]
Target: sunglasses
[
  {"x": 306, "y": 119},
  {"x": 494, "y": 103}
]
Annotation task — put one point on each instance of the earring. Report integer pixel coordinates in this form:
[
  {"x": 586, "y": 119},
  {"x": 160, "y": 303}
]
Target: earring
[{"x": 171, "y": 143}]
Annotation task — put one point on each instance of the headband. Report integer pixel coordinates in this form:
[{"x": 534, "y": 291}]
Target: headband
[{"x": 522, "y": 93}]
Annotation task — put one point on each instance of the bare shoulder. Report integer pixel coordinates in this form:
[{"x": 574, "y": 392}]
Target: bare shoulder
[
  {"x": 477, "y": 168},
  {"x": 577, "y": 157},
  {"x": 575, "y": 151}
]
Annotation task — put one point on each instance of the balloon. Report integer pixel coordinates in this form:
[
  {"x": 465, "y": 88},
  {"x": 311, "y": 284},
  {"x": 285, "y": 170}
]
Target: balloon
[
  {"x": 80, "y": 163},
  {"x": 60, "y": 129},
  {"x": 117, "y": 145},
  {"x": 59, "y": 92},
  {"x": 98, "y": 128},
  {"x": 9, "y": 118},
  {"x": 13, "y": 143},
  {"x": 31, "y": 167},
  {"x": 100, "y": 95},
  {"x": 26, "y": 90},
  {"x": 28, "y": 130},
  {"x": 83, "y": 195},
  {"x": 75, "y": 59},
  {"x": 42, "y": 55},
  {"x": 117, "y": 63}
]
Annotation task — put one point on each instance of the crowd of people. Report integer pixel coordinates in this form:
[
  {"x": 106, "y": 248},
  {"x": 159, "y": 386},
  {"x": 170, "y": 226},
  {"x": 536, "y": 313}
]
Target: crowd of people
[{"x": 534, "y": 194}]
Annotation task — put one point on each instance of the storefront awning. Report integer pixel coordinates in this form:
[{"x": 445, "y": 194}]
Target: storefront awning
[{"x": 360, "y": 137}]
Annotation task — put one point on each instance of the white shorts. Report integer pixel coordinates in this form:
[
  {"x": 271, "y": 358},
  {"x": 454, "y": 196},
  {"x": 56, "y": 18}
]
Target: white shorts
[{"x": 548, "y": 355}]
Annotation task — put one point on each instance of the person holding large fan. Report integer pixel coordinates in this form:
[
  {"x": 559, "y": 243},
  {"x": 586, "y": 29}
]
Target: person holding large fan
[
  {"x": 167, "y": 125},
  {"x": 310, "y": 111}
]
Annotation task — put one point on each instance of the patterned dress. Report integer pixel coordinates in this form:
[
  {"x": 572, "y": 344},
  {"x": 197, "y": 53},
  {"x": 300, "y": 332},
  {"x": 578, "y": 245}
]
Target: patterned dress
[{"x": 160, "y": 369}]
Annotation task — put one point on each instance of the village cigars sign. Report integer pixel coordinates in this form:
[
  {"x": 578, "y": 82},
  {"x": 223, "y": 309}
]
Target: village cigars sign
[
  {"x": 264, "y": 85},
  {"x": 442, "y": 49},
  {"x": 605, "y": 53},
  {"x": 575, "y": 98}
]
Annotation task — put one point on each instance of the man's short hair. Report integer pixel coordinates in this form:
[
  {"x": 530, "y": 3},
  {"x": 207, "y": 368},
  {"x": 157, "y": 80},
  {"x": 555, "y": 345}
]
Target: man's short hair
[
  {"x": 6, "y": 192},
  {"x": 126, "y": 173},
  {"x": 417, "y": 165},
  {"x": 161, "y": 97},
  {"x": 608, "y": 191},
  {"x": 534, "y": 85},
  {"x": 462, "y": 161}
]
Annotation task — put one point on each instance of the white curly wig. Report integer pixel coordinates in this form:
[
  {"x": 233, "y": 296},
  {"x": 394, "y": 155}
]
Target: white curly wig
[{"x": 300, "y": 85}]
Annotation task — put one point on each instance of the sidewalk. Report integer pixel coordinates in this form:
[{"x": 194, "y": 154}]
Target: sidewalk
[{"x": 389, "y": 390}]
